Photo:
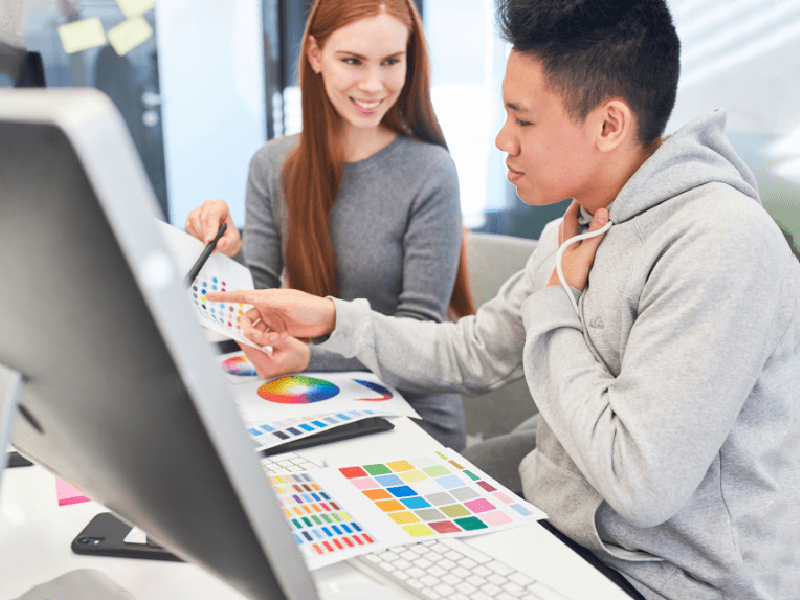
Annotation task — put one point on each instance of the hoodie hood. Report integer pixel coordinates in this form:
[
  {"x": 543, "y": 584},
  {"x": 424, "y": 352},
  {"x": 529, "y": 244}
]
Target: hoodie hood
[{"x": 696, "y": 154}]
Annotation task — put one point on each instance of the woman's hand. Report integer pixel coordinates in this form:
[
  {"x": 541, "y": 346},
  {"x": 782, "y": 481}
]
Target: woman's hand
[
  {"x": 204, "y": 222},
  {"x": 279, "y": 313},
  {"x": 287, "y": 356}
]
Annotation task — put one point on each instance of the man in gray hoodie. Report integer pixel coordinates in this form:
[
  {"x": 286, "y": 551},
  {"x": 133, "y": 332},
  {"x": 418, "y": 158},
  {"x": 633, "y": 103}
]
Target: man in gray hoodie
[{"x": 664, "y": 360}]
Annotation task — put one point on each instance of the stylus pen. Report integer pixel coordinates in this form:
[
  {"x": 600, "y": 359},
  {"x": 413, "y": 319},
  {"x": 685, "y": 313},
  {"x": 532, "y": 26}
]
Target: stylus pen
[{"x": 204, "y": 255}]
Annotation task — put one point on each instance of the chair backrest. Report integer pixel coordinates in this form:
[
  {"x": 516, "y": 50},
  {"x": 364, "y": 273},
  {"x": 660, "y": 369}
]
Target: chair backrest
[{"x": 492, "y": 259}]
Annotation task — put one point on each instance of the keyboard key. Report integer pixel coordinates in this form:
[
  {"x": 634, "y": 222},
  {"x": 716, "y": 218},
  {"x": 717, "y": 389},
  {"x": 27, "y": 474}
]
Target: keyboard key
[
  {"x": 499, "y": 567},
  {"x": 542, "y": 592},
  {"x": 444, "y": 589},
  {"x": 497, "y": 579}
]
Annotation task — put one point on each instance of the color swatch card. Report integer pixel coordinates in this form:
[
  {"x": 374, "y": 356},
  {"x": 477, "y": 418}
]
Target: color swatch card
[
  {"x": 275, "y": 432},
  {"x": 416, "y": 498},
  {"x": 220, "y": 273},
  {"x": 311, "y": 394}
]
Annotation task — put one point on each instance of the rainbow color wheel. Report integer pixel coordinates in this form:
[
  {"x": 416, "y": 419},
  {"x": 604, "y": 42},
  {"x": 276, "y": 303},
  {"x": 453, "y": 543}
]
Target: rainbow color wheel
[
  {"x": 239, "y": 365},
  {"x": 375, "y": 387},
  {"x": 297, "y": 389}
]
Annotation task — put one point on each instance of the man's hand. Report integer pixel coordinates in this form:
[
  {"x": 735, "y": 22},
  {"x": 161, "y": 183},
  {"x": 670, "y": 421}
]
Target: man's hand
[
  {"x": 278, "y": 313},
  {"x": 289, "y": 356},
  {"x": 578, "y": 258}
]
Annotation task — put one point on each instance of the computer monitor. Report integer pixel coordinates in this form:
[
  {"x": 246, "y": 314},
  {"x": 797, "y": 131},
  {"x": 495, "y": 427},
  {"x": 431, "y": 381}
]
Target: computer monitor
[{"x": 121, "y": 395}]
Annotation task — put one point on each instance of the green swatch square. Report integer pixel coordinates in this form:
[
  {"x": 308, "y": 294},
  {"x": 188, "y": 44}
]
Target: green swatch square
[
  {"x": 436, "y": 470},
  {"x": 471, "y": 475},
  {"x": 471, "y": 523},
  {"x": 377, "y": 469}
]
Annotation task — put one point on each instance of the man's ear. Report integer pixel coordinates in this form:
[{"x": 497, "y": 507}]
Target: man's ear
[
  {"x": 615, "y": 121},
  {"x": 314, "y": 53}
]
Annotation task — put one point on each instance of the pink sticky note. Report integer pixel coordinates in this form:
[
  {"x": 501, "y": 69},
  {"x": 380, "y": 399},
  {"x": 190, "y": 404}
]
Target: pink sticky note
[{"x": 67, "y": 494}]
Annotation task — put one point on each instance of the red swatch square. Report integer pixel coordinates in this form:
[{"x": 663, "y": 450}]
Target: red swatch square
[
  {"x": 351, "y": 472},
  {"x": 486, "y": 486},
  {"x": 445, "y": 527}
]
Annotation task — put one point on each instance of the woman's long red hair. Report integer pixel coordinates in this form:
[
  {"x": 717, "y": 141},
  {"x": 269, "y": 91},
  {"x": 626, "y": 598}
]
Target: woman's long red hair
[{"x": 313, "y": 171}]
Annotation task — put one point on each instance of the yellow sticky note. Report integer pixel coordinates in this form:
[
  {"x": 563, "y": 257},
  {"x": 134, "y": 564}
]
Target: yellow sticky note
[
  {"x": 83, "y": 34},
  {"x": 135, "y": 8},
  {"x": 129, "y": 34}
]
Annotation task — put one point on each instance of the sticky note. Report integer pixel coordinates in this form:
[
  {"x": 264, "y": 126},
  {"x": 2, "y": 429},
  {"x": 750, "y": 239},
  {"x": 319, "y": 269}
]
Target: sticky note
[
  {"x": 135, "y": 8},
  {"x": 129, "y": 34},
  {"x": 66, "y": 494},
  {"x": 83, "y": 34}
]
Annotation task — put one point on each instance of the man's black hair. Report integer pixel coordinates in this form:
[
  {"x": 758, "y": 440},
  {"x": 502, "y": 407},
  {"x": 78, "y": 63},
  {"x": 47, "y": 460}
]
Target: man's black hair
[{"x": 595, "y": 50}]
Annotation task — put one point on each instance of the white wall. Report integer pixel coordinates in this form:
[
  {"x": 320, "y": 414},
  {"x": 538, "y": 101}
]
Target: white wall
[{"x": 211, "y": 70}]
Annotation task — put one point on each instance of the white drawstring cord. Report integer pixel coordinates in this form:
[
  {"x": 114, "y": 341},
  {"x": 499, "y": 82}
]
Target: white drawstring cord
[{"x": 569, "y": 242}]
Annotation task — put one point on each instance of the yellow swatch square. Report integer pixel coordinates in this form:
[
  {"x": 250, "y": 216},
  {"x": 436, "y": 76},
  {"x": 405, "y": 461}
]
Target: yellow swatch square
[
  {"x": 129, "y": 34},
  {"x": 418, "y": 530},
  {"x": 413, "y": 476},
  {"x": 403, "y": 518},
  {"x": 400, "y": 465},
  {"x": 83, "y": 34},
  {"x": 135, "y": 8}
]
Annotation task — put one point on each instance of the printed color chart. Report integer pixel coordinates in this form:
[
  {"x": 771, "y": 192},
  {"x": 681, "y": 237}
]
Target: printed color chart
[
  {"x": 407, "y": 500},
  {"x": 324, "y": 532},
  {"x": 273, "y": 433}
]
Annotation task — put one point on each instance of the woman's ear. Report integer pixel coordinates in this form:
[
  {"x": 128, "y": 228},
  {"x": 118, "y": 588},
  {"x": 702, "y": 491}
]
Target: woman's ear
[{"x": 314, "y": 53}]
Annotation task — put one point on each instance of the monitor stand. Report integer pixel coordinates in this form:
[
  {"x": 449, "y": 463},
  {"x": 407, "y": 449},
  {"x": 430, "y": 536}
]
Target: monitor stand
[{"x": 10, "y": 388}]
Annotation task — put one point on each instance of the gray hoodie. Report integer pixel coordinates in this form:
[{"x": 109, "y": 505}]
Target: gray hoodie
[{"x": 668, "y": 443}]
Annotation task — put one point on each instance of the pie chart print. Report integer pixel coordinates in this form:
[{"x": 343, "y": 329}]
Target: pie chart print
[
  {"x": 375, "y": 387},
  {"x": 239, "y": 365},
  {"x": 297, "y": 390}
]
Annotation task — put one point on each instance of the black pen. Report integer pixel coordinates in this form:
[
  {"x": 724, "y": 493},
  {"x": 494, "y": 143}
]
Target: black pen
[{"x": 204, "y": 256}]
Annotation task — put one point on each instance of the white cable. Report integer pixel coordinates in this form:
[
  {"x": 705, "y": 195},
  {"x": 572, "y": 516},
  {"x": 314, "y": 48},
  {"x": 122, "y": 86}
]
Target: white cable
[{"x": 569, "y": 242}]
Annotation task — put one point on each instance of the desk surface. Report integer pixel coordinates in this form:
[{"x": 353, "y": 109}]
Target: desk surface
[{"x": 35, "y": 538}]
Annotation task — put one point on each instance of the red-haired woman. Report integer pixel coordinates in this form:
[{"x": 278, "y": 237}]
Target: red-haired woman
[{"x": 364, "y": 202}]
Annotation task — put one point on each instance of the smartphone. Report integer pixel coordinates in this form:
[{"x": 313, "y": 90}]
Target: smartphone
[{"x": 105, "y": 536}]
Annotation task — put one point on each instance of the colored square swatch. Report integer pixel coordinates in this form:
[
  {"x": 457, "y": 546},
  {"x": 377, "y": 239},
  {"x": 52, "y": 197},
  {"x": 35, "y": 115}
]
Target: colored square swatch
[
  {"x": 365, "y": 483},
  {"x": 445, "y": 527},
  {"x": 504, "y": 498},
  {"x": 400, "y": 465},
  {"x": 404, "y": 517},
  {"x": 521, "y": 510},
  {"x": 427, "y": 486},
  {"x": 464, "y": 493},
  {"x": 351, "y": 472},
  {"x": 449, "y": 482},
  {"x": 389, "y": 505},
  {"x": 471, "y": 523},
  {"x": 389, "y": 480},
  {"x": 479, "y": 505},
  {"x": 455, "y": 510},
  {"x": 496, "y": 518},
  {"x": 379, "y": 494},
  {"x": 488, "y": 487},
  {"x": 418, "y": 530},
  {"x": 413, "y": 476},
  {"x": 401, "y": 491},
  {"x": 436, "y": 470},
  {"x": 377, "y": 469},
  {"x": 415, "y": 502},
  {"x": 439, "y": 499},
  {"x": 429, "y": 514}
]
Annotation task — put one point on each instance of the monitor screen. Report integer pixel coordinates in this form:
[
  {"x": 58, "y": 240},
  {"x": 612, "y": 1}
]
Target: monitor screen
[{"x": 120, "y": 395}]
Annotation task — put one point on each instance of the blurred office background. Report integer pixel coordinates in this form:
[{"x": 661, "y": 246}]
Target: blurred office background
[{"x": 203, "y": 83}]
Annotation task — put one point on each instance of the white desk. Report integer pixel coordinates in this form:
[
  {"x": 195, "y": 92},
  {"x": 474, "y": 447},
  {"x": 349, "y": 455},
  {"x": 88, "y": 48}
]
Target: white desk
[{"x": 36, "y": 533}]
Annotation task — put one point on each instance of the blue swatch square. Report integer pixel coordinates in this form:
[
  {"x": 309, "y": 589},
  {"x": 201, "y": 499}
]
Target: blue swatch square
[
  {"x": 389, "y": 480},
  {"x": 521, "y": 510},
  {"x": 343, "y": 417},
  {"x": 254, "y": 432},
  {"x": 415, "y": 502},
  {"x": 306, "y": 427},
  {"x": 401, "y": 491},
  {"x": 267, "y": 428},
  {"x": 319, "y": 423},
  {"x": 449, "y": 482}
]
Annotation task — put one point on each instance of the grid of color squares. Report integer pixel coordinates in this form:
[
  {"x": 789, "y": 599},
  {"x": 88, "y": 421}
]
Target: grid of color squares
[
  {"x": 427, "y": 497},
  {"x": 318, "y": 523},
  {"x": 227, "y": 315},
  {"x": 267, "y": 435}
]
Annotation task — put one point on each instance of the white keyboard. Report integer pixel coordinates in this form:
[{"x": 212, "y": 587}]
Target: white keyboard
[
  {"x": 450, "y": 569},
  {"x": 287, "y": 461}
]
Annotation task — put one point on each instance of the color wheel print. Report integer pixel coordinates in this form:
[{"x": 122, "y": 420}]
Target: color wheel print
[
  {"x": 239, "y": 365},
  {"x": 297, "y": 389}
]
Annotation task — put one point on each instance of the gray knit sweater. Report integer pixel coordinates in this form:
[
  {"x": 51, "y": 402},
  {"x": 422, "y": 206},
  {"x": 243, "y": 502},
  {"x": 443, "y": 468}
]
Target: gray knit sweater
[
  {"x": 668, "y": 443},
  {"x": 396, "y": 231}
]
